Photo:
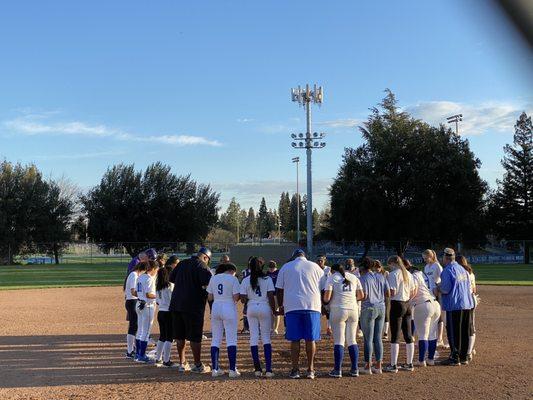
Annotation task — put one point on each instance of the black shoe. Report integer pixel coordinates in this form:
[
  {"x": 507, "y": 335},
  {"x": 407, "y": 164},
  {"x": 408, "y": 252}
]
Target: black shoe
[
  {"x": 295, "y": 374},
  {"x": 464, "y": 361},
  {"x": 450, "y": 361},
  {"x": 407, "y": 367}
]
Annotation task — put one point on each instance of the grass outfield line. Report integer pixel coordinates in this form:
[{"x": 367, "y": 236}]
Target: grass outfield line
[{"x": 112, "y": 274}]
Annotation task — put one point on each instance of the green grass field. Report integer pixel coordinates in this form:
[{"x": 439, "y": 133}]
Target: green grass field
[{"x": 112, "y": 274}]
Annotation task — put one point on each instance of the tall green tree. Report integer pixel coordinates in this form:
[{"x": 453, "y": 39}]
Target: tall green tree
[
  {"x": 511, "y": 208},
  {"x": 231, "y": 219},
  {"x": 284, "y": 211},
  {"x": 407, "y": 181},
  {"x": 251, "y": 224},
  {"x": 132, "y": 208},
  {"x": 263, "y": 220}
]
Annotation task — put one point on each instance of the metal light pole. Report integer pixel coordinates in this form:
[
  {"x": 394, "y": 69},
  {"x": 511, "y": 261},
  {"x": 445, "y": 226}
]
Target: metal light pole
[
  {"x": 309, "y": 141},
  {"x": 297, "y": 161},
  {"x": 455, "y": 118}
]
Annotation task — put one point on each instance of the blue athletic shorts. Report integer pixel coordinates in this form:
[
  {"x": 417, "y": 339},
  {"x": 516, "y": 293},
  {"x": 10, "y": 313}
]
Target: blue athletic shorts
[{"x": 302, "y": 324}]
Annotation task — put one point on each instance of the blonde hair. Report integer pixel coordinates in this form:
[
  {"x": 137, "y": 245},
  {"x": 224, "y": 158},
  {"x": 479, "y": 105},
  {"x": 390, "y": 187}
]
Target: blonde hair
[
  {"x": 398, "y": 261},
  {"x": 430, "y": 254}
]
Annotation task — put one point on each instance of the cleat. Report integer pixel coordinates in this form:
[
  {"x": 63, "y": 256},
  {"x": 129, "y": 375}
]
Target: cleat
[
  {"x": 354, "y": 373},
  {"x": 450, "y": 361},
  {"x": 130, "y": 355},
  {"x": 269, "y": 374},
  {"x": 217, "y": 372},
  {"x": 199, "y": 369},
  {"x": 158, "y": 363},
  {"x": 377, "y": 371},
  {"x": 184, "y": 367},
  {"x": 169, "y": 364},
  {"x": 391, "y": 368},
  {"x": 335, "y": 374},
  {"x": 407, "y": 367},
  {"x": 420, "y": 363},
  {"x": 310, "y": 375},
  {"x": 365, "y": 371},
  {"x": 234, "y": 374},
  {"x": 258, "y": 374},
  {"x": 295, "y": 374},
  {"x": 430, "y": 362}
]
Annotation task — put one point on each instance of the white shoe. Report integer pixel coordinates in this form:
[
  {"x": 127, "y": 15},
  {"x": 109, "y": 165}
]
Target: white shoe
[
  {"x": 364, "y": 371},
  {"x": 377, "y": 371},
  {"x": 269, "y": 375},
  {"x": 204, "y": 337},
  {"x": 430, "y": 362},
  {"x": 234, "y": 374},
  {"x": 258, "y": 374},
  {"x": 474, "y": 352},
  {"x": 184, "y": 367},
  {"x": 420, "y": 363},
  {"x": 216, "y": 373}
]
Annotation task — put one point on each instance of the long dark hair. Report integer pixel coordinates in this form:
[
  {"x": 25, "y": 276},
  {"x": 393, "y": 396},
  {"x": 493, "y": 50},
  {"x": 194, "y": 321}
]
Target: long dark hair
[
  {"x": 225, "y": 267},
  {"x": 256, "y": 271},
  {"x": 463, "y": 262},
  {"x": 366, "y": 264},
  {"x": 162, "y": 281},
  {"x": 340, "y": 269}
]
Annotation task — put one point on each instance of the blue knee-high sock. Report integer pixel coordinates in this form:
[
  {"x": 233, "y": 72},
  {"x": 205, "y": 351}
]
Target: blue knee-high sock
[
  {"x": 412, "y": 326},
  {"x": 142, "y": 348},
  {"x": 268, "y": 356},
  {"x": 422, "y": 348},
  {"x": 137, "y": 348},
  {"x": 354, "y": 356},
  {"x": 232, "y": 355},
  {"x": 255, "y": 357},
  {"x": 214, "y": 357},
  {"x": 338, "y": 355},
  {"x": 432, "y": 347}
]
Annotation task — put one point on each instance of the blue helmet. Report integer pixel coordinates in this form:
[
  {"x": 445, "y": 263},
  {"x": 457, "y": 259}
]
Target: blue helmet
[
  {"x": 205, "y": 251},
  {"x": 151, "y": 253},
  {"x": 298, "y": 253}
]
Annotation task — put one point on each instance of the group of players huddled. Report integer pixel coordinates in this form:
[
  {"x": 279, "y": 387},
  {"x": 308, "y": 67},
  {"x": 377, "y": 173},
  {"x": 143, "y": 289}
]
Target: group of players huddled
[{"x": 366, "y": 300}]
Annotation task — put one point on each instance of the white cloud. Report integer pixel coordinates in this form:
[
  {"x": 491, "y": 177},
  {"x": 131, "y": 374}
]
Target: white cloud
[
  {"x": 40, "y": 124},
  {"x": 477, "y": 118},
  {"x": 244, "y": 120},
  {"x": 341, "y": 123},
  {"x": 100, "y": 154}
]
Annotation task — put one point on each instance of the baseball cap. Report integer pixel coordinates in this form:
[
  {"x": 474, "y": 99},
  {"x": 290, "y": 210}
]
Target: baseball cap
[
  {"x": 205, "y": 251},
  {"x": 298, "y": 253},
  {"x": 449, "y": 252}
]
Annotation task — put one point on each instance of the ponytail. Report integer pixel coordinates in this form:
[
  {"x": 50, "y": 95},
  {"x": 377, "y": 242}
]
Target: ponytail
[
  {"x": 398, "y": 261},
  {"x": 340, "y": 269},
  {"x": 256, "y": 271}
]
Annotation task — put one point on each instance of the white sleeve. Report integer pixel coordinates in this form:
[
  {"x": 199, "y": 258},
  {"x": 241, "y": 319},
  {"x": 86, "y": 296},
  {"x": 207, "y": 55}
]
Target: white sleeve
[
  {"x": 393, "y": 281},
  {"x": 244, "y": 286},
  {"x": 130, "y": 283},
  {"x": 151, "y": 285},
  {"x": 280, "y": 282},
  {"x": 236, "y": 286},
  {"x": 437, "y": 271},
  {"x": 358, "y": 285},
  {"x": 270, "y": 285},
  {"x": 209, "y": 288},
  {"x": 328, "y": 283}
]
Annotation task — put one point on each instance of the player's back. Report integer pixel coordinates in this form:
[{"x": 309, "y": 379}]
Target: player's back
[
  {"x": 223, "y": 287},
  {"x": 259, "y": 294}
]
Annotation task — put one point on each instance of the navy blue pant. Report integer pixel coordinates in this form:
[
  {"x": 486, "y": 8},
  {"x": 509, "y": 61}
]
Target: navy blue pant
[{"x": 458, "y": 330}]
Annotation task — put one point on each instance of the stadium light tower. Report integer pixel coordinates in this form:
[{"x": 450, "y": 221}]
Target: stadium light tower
[
  {"x": 455, "y": 119},
  {"x": 309, "y": 141},
  {"x": 297, "y": 161}
]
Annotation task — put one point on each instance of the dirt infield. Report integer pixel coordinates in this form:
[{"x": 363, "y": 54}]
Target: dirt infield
[{"x": 69, "y": 343}]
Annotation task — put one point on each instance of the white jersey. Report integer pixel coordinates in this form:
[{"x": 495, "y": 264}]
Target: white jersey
[
  {"x": 324, "y": 278},
  {"x": 259, "y": 294},
  {"x": 164, "y": 296},
  {"x": 402, "y": 289},
  {"x": 433, "y": 271},
  {"x": 223, "y": 287},
  {"x": 425, "y": 287},
  {"x": 131, "y": 283},
  {"x": 145, "y": 285},
  {"x": 472, "y": 279},
  {"x": 300, "y": 280},
  {"x": 343, "y": 295}
]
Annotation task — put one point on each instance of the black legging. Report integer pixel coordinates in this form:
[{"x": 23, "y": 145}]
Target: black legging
[
  {"x": 459, "y": 328},
  {"x": 132, "y": 316},
  {"x": 164, "y": 318},
  {"x": 387, "y": 309},
  {"x": 400, "y": 316}
]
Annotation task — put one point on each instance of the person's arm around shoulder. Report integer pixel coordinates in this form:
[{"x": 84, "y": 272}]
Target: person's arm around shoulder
[
  {"x": 392, "y": 279},
  {"x": 328, "y": 289},
  {"x": 209, "y": 290},
  {"x": 280, "y": 282},
  {"x": 270, "y": 294},
  {"x": 359, "y": 295},
  {"x": 236, "y": 289},
  {"x": 150, "y": 293},
  {"x": 244, "y": 290},
  {"x": 204, "y": 276}
]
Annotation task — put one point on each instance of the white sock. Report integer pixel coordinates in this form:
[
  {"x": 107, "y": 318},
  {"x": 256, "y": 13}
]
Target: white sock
[
  {"x": 159, "y": 349},
  {"x": 394, "y": 350},
  {"x": 386, "y": 328},
  {"x": 130, "y": 341},
  {"x": 167, "y": 347},
  {"x": 410, "y": 351},
  {"x": 471, "y": 343}
]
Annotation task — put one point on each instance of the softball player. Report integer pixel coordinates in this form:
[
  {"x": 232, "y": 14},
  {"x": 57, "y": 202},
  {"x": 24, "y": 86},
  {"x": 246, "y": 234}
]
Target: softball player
[
  {"x": 378, "y": 267},
  {"x": 462, "y": 261},
  {"x": 321, "y": 262},
  {"x": 164, "y": 290},
  {"x": 273, "y": 272},
  {"x": 245, "y": 325},
  {"x": 257, "y": 290},
  {"x": 342, "y": 291},
  {"x": 402, "y": 289},
  {"x": 145, "y": 308},
  {"x": 426, "y": 312},
  {"x": 223, "y": 290},
  {"x": 433, "y": 270},
  {"x": 131, "y": 303}
]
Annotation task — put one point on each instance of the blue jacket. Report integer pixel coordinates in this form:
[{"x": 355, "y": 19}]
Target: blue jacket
[{"x": 455, "y": 288}]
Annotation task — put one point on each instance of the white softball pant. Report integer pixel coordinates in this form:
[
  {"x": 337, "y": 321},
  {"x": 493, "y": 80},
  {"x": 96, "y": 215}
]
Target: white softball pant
[
  {"x": 426, "y": 316},
  {"x": 260, "y": 321},
  {"x": 224, "y": 319},
  {"x": 145, "y": 318},
  {"x": 344, "y": 325}
]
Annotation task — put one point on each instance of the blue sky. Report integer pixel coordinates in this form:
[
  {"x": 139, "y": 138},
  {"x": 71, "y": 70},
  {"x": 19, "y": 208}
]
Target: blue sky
[{"x": 204, "y": 86}]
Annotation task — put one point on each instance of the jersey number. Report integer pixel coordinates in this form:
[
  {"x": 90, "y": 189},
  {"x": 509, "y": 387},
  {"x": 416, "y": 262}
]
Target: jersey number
[
  {"x": 346, "y": 287},
  {"x": 220, "y": 288},
  {"x": 139, "y": 287},
  {"x": 258, "y": 291}
]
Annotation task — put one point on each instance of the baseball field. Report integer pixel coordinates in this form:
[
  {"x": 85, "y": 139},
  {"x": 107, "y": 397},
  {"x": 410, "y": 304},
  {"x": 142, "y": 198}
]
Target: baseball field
[{"x": 68, "y": 343}]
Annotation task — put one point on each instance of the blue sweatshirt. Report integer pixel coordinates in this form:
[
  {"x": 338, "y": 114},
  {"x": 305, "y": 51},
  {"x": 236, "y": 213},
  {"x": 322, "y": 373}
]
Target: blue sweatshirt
[{"x": 455, "y": 288}]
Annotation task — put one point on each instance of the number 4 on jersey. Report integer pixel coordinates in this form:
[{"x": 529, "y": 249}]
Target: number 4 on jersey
[{"x": 258, "y": 291}]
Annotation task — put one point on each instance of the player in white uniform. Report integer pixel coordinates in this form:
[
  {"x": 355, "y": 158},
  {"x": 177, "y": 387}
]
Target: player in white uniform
[
  {"x": 433, "y": 270},
  {"x": 402, "y": 289},
  {"x": 145, "y": 308},
  {"x": 426, "y": 312},
  {"x": 321, "y": 262},
  {"x": 462, "y": 261},
  {"x": 342, "y": 291},
  {"x": 164, "y": 290},
  {"x": 223, "y": 290},
  {"x": 257, "y": 290},
  {"x": 131, "y": 305}
]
